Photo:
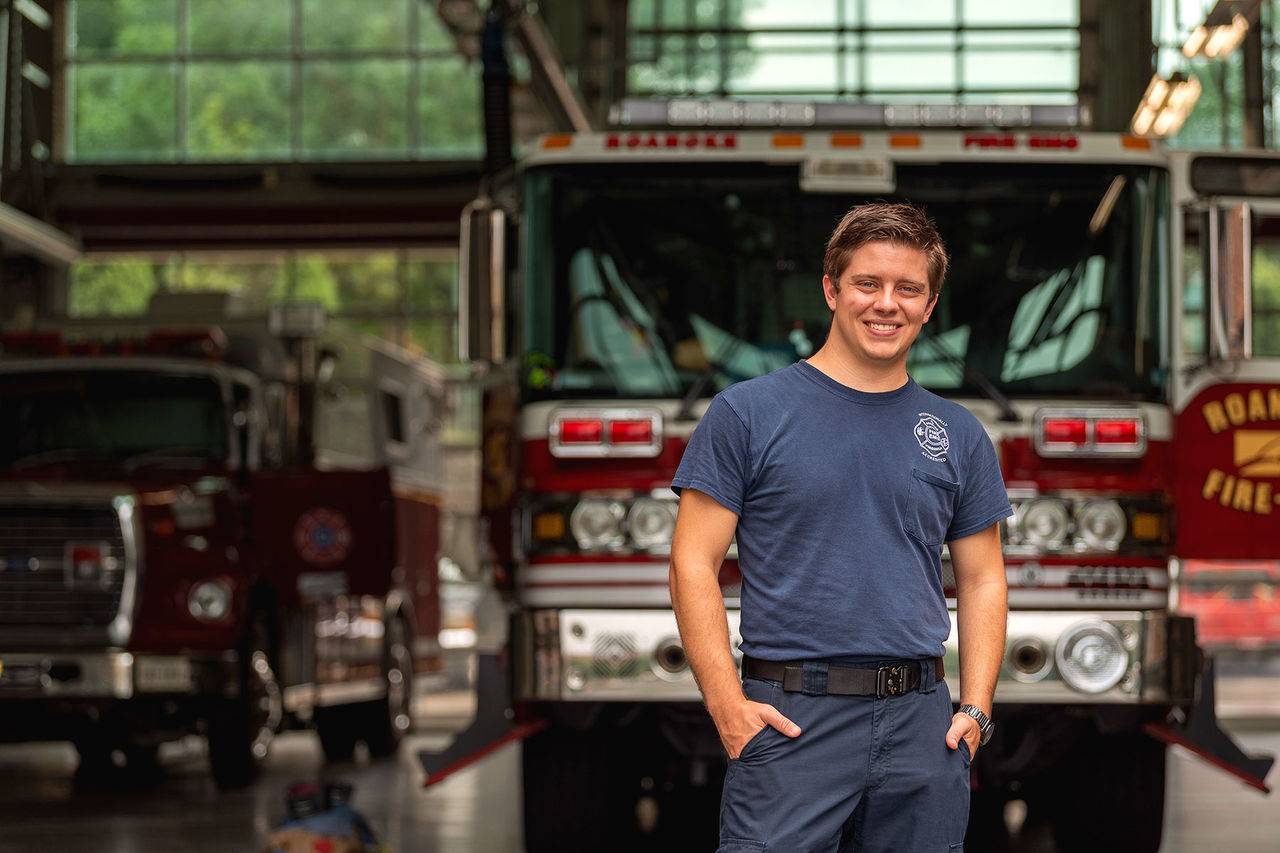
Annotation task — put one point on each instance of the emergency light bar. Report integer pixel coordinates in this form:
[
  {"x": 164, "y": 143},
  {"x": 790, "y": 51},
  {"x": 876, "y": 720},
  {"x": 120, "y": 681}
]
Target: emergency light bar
[
  {"x": 1097, "y": 432},
  {"x": 635, "y": 112},
  {"x": 600, "y": 433}
]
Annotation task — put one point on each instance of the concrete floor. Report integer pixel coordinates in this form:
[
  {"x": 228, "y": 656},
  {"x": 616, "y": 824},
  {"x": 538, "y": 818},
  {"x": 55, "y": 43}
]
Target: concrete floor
[{"x": 477, "y": 810}]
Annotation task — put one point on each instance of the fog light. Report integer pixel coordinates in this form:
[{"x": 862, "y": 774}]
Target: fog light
[
  {"x": 597, "y": 524},
  {"x": 1100, "y": 525},
  {"x": 1091, "y": 657},
  {"x": 1043, "y": 523},
  {"x": 209, "y": 601},
  {"x": 651, "y": 523}
]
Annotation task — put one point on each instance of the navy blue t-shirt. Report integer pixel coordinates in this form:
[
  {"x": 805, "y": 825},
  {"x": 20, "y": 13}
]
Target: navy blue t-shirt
[{"x": 844, "y": 499}]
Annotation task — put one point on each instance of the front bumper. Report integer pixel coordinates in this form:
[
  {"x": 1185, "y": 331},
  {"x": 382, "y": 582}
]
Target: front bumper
[
  {"x": 636, "y": 656},
  {"x": 114, "y": 675}
]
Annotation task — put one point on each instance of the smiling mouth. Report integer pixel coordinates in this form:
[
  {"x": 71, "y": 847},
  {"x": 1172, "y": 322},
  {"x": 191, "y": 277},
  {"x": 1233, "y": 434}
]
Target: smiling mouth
[{"x": 882, "y": 327}]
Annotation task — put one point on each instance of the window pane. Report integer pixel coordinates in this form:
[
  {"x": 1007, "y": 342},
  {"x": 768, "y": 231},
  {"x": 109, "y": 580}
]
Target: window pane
[
  {"x": 346, "y": 26},
  {"x": 112, "y": 288},
  {"x": 918, "y": 13},
  {"x": 355, "y": 108},
  {"x": 1020, "y": 12},
  {"x": 368, "y": 283},
  {"x": 789, "y": 72},
  {"x": 449, "y": 108},
  {"x": 238, "y": 26},
  {"x": 311, "y": 280},
  {"x": 914, "y": 71},
  {"x": 433, "y": 336},
  {"x": 767, "y": 14},
  {"x": 128, "y": 27},
  {"x": 238, "y": 111},
  {"x": 432, "y": 35},
  {"x": 123, "y": 112},
  {"x": 259, "y": 282},
  {"x": 1020, "y": 70},
  {"x": 432, "y": 284},
  {"x": 1266, "y": 288}
]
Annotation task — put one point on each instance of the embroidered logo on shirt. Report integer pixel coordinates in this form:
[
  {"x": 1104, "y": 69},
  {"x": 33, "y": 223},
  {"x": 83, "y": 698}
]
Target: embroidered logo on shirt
[{"x": 931, "y": 432}]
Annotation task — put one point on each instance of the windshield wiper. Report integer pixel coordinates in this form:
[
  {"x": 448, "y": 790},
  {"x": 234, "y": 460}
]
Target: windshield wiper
[{"x": 972, "y": 376}]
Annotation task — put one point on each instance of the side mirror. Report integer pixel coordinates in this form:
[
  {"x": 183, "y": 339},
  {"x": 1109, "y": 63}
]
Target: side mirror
[
  {"x": 1230, "y": 332},
  {"x": 481, "y": 274}
]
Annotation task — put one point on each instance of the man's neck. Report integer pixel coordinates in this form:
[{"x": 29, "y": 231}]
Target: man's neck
[{"x": 857, "y": 374}]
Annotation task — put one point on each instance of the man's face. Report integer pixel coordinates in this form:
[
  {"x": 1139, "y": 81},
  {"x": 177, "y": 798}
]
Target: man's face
[{"x": 882, "y": 302}]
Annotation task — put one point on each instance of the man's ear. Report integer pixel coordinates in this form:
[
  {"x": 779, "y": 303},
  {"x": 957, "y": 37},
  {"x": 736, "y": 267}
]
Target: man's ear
[
  {"x": 928, "y": 312},
  {"x": 829, "y": 290}
]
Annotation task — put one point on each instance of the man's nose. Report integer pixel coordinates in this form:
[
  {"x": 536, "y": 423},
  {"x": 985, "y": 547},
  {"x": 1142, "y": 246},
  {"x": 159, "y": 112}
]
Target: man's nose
[{"x": 886, "y": 299}]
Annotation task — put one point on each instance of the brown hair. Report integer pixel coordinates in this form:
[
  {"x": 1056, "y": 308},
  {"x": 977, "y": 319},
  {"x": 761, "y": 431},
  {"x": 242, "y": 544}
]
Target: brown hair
[{"x": 904, "y": 224}]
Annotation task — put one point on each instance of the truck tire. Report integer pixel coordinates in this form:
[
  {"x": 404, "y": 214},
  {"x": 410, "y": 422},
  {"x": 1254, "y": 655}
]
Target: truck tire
[
  {"x": 1111, "y": 796},
  {"x": 240, "y": 730},
  {"x": 386, "y": 721}
]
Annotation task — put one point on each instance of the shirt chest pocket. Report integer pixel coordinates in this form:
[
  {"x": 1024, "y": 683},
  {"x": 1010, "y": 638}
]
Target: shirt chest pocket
[{"x": 931, "y": 504}]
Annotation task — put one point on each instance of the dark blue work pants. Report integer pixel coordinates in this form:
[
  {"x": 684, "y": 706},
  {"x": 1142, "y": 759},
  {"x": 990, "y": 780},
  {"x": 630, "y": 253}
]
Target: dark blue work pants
[{"x": 865, "y": 775}]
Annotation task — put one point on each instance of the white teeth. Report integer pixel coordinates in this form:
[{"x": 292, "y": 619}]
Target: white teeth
[{"x": 882, "y": 327}]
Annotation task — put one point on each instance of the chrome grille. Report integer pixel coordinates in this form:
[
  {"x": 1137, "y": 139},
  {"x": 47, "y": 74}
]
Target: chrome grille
[{"x": 35, "y": 585}]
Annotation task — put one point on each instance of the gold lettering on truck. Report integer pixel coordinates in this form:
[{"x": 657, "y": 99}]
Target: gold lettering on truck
[{"x": 1255, "y": 452}]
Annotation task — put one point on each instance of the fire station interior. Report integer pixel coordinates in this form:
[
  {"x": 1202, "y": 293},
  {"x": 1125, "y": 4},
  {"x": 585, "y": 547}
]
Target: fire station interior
[{"x": 238, "y": 356}]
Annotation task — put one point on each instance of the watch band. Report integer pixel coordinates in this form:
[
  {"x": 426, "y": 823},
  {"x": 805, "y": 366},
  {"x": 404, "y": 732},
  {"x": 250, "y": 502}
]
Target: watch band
[{"x": 985, "y": 726}]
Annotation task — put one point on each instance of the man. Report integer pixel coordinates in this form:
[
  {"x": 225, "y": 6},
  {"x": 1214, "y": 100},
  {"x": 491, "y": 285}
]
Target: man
[{"x": 842, "y": 479}]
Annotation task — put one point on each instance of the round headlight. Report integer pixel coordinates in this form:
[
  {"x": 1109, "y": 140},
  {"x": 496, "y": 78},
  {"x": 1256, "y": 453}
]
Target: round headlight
[
  {"x": 1043, "y": 523},
  {"x": 651, "y": 522},
  {"x": 597, "y": 523},
  {"x": 209, "y": 601},
  {"x": 1100, "y": 525},
  {"x": 1091, "y": 657}
]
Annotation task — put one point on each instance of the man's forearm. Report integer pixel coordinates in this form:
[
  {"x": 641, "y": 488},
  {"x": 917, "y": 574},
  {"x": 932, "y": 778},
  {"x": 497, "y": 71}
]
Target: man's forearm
[
  {"x": 704, "y": 631},
  {"x": 981, "y": 614}
]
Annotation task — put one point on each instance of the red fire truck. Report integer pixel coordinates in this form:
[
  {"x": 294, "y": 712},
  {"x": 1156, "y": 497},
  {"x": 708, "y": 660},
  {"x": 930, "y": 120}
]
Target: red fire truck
[
  {"x": 175, "y": 556},
  {"x": 1096, "y": 319}
]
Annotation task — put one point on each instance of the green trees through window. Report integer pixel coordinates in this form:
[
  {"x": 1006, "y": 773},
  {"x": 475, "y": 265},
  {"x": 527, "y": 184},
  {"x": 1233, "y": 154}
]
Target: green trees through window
[
  {"x": 237, "y": 80},
  {"x": 407, "y": 296}
]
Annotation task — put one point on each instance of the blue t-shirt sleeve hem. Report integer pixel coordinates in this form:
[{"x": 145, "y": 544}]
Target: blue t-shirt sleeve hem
[
  {"x": 991, "y": 518},
  {"x": 708, "y": 489}
]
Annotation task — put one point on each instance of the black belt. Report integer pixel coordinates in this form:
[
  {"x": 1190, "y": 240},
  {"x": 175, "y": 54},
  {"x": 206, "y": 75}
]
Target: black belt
[{"x": 844, "y": 680}]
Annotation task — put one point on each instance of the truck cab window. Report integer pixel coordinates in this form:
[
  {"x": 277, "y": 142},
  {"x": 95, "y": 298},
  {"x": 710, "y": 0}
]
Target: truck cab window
[
  {"x": 1266, "y": 285},
  {"x": 112, "y": 417}
]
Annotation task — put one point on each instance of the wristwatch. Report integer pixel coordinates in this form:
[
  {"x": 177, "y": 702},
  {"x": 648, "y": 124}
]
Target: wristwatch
[{"x": 984, "y": 722}]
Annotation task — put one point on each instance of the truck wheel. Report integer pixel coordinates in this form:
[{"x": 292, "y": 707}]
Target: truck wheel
[
  {"x": 389, "y": 719},
  {"x": 1111, "y": 796},
  {"x": 240, "y": 730},
  {"x": 566, "y": 793}
]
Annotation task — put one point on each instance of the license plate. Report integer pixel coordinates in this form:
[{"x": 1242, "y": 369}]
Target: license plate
[{"x": 162, "y": 674}]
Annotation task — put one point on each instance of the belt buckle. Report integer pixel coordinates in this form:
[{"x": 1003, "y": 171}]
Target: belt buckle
[{"x": 891, "y": 681}]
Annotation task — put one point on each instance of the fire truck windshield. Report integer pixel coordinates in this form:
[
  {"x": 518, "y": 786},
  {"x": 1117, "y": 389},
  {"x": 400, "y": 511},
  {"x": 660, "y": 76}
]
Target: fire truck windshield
[
  {"x": 655, "y": 279},
  {"x": 119, "y": 417}
]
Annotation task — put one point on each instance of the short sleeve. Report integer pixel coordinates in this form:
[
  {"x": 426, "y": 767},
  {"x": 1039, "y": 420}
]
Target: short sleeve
[
  {"x": 984, "y": 500},
  {"x": 716, "y": 460}
]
